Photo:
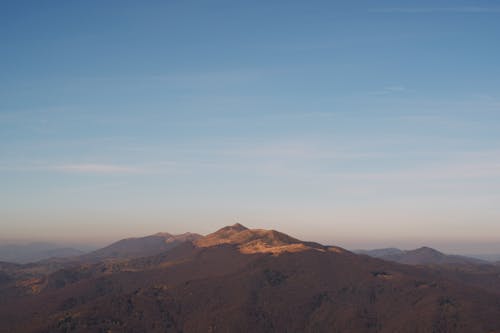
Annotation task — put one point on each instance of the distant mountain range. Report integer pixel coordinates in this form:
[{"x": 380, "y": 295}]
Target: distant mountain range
[
  {"x": 123, "y": 249},
  {"x": 32, "y": 252},
  {"x": 247, "y": 280},
  {"x": 421, "y": 256}
]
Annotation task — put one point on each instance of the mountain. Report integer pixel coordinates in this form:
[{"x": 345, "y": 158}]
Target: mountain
[
  {"x": 491, "y": 257},
  {"x": 141, "y": 246},
  {"x": 380, "y": 253},
  {"x": 249, "y": 280},
  {"x": 25, "y": 253},
  {"x": 421, "y": 256},
  {"x": 35, "y": 274},
  {"x": 256, "y": 240}
]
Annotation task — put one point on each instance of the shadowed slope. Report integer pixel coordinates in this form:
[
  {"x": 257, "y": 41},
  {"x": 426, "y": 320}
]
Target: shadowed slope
[{"x": 140, "y": 247}]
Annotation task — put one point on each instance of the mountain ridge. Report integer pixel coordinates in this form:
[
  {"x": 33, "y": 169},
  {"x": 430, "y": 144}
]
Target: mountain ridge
[
  {"x": 248, "y": 280},
  {"x": 36, "y": 251},
  {"x": 135, "y": 247},
  {"x": 423, "y": 255}
]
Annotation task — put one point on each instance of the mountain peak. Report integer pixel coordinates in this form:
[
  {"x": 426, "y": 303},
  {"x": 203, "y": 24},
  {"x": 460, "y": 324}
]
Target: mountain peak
[
  {"x": 228, "y": 231},
  {"x": 239, "y": 226},
  {"x": 426, "y": 250}
]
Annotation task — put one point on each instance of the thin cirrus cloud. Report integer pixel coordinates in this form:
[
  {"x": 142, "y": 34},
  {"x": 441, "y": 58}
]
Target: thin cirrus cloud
[
  {"x": 446, "y": 171},
  {"x": 389, "y": 90},
  {"x": 418, "y": 10},
  {"x": 160, "y": 167},
  {"x": 96, "y": 168}
]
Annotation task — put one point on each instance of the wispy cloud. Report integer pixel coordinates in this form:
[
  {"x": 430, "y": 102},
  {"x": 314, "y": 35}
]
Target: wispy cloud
[
  {"x": 418, "y": 10},
  {"x": 195, "y": 79},
  {"x": 96, "y": 168},
  {"x": 451, "y": 171},
  {"x": 297, "y": 150},
  {"x": 388, "y": 90},
  {"x": 156, "y": 167}
]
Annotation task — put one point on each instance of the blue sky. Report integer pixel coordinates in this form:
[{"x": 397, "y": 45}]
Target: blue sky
[{"x": 357, "y": 123}]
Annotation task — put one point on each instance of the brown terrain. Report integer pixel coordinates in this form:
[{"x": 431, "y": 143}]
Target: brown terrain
[{"x": 246, "y": 280}]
